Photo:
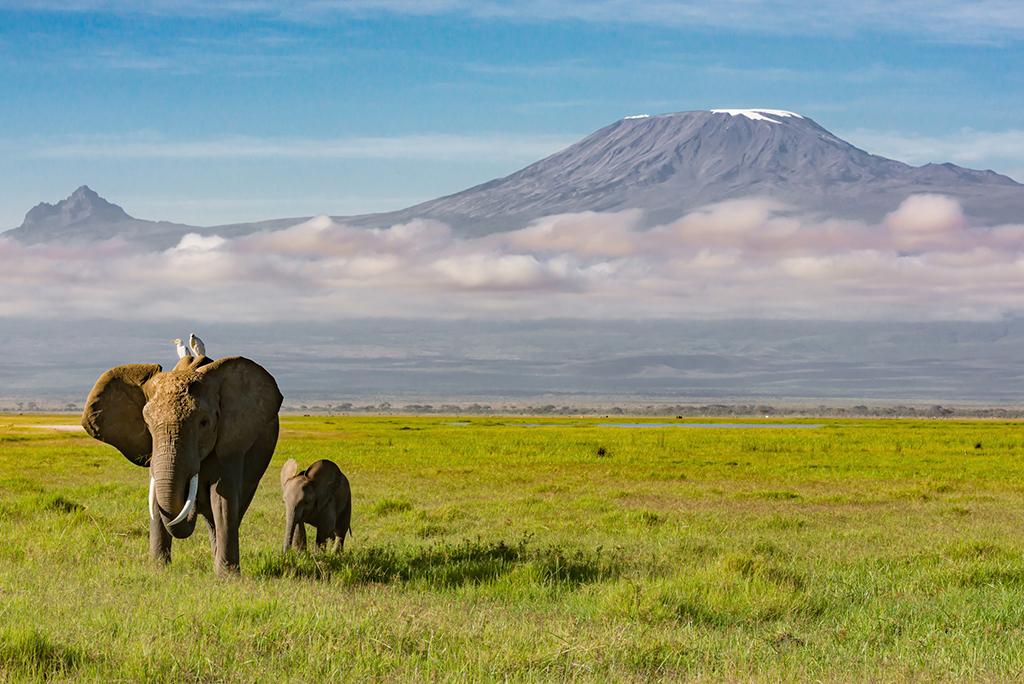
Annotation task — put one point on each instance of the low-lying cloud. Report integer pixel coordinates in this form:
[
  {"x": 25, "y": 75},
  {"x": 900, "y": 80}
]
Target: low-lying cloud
[{"x": 747, "y": 258}]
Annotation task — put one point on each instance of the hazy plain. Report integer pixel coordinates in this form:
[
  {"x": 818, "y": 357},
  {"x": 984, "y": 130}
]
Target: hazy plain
[{"x": 558, "y": 362}]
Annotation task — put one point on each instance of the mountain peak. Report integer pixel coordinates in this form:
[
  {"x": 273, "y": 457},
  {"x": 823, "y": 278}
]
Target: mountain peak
[
  {"x": 81, "y": 206},
  {"x": 758, "y": 114}
]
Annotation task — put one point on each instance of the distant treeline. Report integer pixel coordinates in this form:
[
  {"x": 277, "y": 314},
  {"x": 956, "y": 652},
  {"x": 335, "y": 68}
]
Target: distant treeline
[
  {"x": 652, "y": 410},
  {"x": 668, "y": 410}
]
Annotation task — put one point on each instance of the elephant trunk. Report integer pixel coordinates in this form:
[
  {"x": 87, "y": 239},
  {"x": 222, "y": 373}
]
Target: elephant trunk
[
  {"x": 193, "y": 487},
  {"x": 293, "y": 538},
  {"x": 174, "y": 482},
  {"x": 289, "y": 529}
]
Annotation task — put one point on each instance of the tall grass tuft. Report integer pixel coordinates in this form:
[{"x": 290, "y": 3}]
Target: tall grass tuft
[
  {"x": 28, "y": 654},
  {"x": 440, "y": 566}
]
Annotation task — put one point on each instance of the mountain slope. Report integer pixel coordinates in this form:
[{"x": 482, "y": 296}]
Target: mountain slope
[{"x": 672, "y": 164}]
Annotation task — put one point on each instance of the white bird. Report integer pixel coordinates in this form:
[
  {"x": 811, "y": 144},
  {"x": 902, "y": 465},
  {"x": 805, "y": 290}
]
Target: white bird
[
  {"x": 182, "y": 349},
  {"x": 197, "y": 345}
]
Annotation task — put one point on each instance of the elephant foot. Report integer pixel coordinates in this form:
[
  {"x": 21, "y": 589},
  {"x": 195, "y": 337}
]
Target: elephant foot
[{"x": 228, "y": 570}]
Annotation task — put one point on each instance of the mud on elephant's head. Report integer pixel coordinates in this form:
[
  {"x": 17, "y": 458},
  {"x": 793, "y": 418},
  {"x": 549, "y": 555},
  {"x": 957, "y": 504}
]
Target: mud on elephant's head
[{"x": 206, "y": 426}]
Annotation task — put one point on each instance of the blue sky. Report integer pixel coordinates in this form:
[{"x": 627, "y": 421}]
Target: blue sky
[{"x": 209, "y": 113}]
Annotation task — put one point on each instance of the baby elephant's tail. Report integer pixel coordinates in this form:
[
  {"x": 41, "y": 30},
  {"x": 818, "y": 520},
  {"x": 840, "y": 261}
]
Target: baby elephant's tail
[{"x": 343, "y": 523}]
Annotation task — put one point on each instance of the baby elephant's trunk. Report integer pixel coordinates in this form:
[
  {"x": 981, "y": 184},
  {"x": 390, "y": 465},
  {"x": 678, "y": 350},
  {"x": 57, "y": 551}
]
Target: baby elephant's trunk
[{"x": 294, "y": 533}]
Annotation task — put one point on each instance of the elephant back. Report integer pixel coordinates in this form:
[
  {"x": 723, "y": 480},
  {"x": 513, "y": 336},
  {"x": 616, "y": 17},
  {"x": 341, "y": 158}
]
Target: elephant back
[{"x": 327, "y": 478}]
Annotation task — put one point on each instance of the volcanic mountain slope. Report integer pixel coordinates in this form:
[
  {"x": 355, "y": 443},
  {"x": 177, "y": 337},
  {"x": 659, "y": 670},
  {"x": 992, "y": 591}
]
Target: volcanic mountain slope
[{"x": 672, "y": 164}]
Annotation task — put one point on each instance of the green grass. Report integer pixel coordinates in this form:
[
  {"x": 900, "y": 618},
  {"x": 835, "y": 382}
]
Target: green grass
[{"x": 861, "y": 550}]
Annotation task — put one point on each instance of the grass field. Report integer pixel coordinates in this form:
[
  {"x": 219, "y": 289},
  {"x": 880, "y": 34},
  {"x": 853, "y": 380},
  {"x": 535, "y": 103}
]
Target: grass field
[{"x": 538, "y": 550}]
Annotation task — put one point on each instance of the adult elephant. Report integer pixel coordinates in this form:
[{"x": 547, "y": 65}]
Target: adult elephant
[{"x": 207, "y": 430}]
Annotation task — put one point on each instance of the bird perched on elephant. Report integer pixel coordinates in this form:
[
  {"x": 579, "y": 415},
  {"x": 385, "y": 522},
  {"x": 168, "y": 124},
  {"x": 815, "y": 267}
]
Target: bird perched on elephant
[
  {"x": 319, "y": 496},
  {"x": 181, "y": 348},
  {"x": 207, "y": 431},
  {"x": 196, "y": 345}
]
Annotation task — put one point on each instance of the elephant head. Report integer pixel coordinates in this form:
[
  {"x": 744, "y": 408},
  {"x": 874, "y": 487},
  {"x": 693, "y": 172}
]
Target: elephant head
[
  {"x": 204, "y": 429},
  {"x": 319, "y": 496}
]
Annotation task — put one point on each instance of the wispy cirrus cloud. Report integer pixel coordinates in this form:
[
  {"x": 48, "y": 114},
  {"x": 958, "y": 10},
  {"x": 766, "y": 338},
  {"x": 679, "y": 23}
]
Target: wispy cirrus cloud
[
  {"x": 949, "y": 20},
  {"x": 441, "y": 147},
  {"x": 743, "y": 258}
]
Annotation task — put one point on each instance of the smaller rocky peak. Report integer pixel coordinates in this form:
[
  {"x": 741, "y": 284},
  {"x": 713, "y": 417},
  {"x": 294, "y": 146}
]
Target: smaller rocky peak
[{"x": 82, "y": 205}]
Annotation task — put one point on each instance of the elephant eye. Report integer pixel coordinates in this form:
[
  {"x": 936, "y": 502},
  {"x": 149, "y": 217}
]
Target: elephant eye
[{"x": 204, "y": 423}]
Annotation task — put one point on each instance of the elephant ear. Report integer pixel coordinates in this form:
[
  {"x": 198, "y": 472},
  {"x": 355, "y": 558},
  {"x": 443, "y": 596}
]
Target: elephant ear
[
  {"x": 288, "y": 471},
  {"x": 249, "y": 401},
  {"x": 326, "y": 477},
  {"x": 113, "y": 411}
]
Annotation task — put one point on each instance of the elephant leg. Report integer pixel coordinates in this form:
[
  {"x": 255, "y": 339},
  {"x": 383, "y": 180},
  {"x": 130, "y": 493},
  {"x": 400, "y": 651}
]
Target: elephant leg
[
  {"x": 159, "y": 541},
  {"x": 323, "y": 533},
  {"x": 255, "y": 463},
  {"x": 213, "y": 536},
  {"x": 325, "y": 524},
  {"x": 299, "y": 538},
  {"x": 224, "y": 503}
]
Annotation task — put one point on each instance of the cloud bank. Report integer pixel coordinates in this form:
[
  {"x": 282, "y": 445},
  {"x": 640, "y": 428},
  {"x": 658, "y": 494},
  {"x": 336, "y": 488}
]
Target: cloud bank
[{"x": 744, "y": 258}]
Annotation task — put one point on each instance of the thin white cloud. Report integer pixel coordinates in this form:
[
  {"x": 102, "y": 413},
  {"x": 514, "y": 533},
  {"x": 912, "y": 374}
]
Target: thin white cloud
[
  {"x": 440, "y": 147},
  {"x": 949, "y": 20},
  {"x": 744, "y": 258}
]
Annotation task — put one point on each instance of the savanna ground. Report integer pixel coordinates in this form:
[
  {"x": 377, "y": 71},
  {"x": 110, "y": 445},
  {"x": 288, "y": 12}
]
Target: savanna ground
[{"x": 538, "y": 550}]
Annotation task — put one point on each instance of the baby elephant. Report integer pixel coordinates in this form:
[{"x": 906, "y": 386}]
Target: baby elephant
[{"x": 320, "y": 496}]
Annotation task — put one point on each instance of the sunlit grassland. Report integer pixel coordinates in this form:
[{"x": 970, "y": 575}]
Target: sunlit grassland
[{"x": 538, "y": 550}]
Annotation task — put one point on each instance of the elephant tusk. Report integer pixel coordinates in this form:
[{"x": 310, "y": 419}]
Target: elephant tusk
[
  {"x": 192, "y": 487},
  {"x": 152, "y": 498}
]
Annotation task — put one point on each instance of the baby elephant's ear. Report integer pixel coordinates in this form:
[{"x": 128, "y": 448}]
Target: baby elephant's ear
[
  {"x": 326, "y": 477},
  {"x": 288, "y": 471},
  {"x": 113, "y": 411}
]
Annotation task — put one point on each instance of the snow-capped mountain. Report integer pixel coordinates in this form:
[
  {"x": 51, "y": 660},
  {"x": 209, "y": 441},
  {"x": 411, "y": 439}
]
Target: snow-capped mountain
[
  {"x": 672, "y": 164},
  {"x": 666, "y": 165}
]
